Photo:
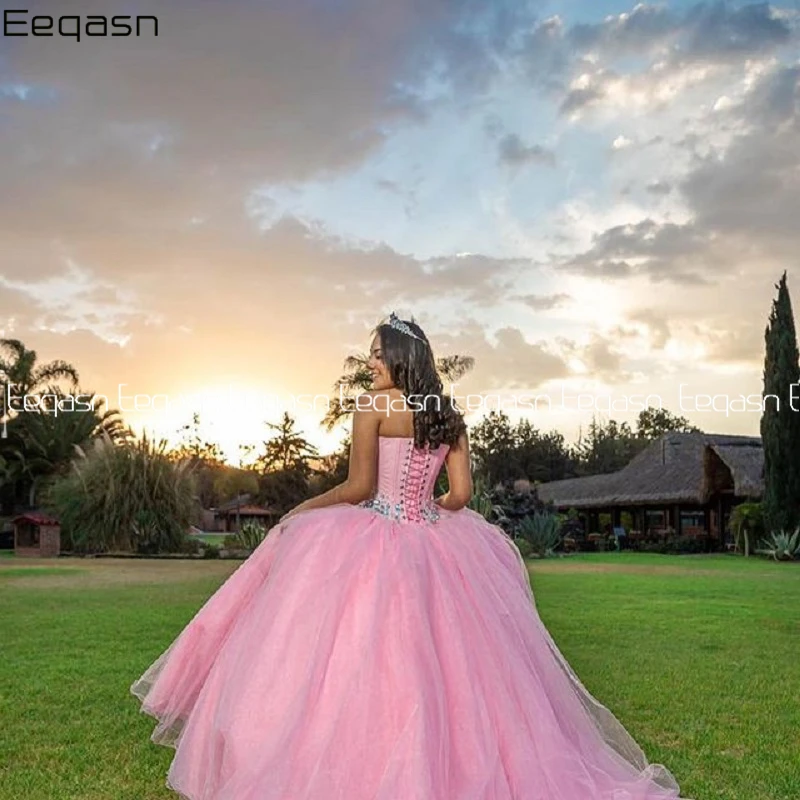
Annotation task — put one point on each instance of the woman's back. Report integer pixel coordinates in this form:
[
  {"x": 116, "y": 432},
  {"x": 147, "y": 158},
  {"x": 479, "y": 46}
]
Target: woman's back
[{"x": 406, "y": 479}]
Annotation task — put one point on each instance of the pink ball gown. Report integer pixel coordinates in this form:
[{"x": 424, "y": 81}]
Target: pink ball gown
[{"x": 389, "y": 650}]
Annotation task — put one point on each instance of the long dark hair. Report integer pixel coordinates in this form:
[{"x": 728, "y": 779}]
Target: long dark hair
[{"x": 412, "y": 368}]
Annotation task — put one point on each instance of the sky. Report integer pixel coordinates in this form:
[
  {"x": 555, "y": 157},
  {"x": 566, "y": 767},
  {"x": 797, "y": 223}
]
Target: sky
[{"x": 594, "y": 200}]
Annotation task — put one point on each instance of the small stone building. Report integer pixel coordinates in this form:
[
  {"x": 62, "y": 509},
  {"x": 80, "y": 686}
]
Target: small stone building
[{"x": 36, "y": 534}]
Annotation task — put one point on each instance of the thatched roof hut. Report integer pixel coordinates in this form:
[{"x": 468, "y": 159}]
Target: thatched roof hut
[{"x": 675, "y": 468}]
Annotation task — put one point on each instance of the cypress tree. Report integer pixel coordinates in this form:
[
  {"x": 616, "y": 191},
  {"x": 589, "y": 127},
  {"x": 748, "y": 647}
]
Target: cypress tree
[{"x": 780, "y": 425}]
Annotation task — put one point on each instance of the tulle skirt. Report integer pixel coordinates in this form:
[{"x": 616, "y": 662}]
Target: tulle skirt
[{"x": 354, "y": 657}]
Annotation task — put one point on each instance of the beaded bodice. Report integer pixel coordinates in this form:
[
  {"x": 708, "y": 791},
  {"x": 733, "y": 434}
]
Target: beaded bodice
[{"x": 406, "y": 478}]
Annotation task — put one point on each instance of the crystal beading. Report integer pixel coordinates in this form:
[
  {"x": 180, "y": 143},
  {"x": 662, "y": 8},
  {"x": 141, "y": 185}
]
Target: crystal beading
[{"x": 397, "y": 511}]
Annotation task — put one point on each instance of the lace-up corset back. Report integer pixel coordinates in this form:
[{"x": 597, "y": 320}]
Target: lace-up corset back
[{"x": 406, "y": 479}]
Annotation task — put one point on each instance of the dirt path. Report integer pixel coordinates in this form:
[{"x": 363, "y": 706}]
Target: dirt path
[
  {"x": 92, "y": 573},
  {"x": 566, "y": 566}
]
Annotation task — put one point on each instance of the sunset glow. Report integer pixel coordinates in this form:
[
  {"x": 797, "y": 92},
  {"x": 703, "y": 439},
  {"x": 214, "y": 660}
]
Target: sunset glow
[{"x": 588, "y": 191}]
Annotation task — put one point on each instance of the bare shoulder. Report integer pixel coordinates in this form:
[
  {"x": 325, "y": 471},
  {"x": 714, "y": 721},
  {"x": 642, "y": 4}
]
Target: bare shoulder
[
  {"x": 367, "y": 410},
  {"x": 366, "y": 400}
]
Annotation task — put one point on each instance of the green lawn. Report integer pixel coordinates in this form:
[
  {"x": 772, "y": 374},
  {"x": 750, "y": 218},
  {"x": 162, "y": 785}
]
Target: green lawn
[{"x": 699, "y": 657}]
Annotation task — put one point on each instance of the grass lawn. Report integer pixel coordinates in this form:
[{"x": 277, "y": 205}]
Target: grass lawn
[{"x": 698, "y": 656}]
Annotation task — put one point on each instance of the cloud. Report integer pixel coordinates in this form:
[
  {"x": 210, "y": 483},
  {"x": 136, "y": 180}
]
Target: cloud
[
  {"x": 735, "y": 341},
  {"x": 647, "y": 57},
  {"x": 513, "y": 152},
  {"x": 128, "y": 170},
  {"x": 510, "y": 363},
  {"x": 544, "y": 302},
  {"x": 658, "y": 188},
  {"x": 707, "y": 31},
  {"x": 241, "y": 304},
  {"x": 751, "y": 191},
  {"x": 600, "y": 355},
  {"x": 660, "y": 251},
  {"x": 740, "y": 200},
  {"x": 656, "y": 324},
  {"x": 286, "y": 91},
  {"x": 129, "y": 141},
  {"x": 474, "y": 277}
]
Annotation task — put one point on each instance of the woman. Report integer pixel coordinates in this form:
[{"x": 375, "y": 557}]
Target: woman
[{"x": 383, "y": 645}]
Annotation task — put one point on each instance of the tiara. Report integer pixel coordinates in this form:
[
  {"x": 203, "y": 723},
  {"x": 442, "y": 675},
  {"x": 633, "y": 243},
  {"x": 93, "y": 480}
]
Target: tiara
[{"x": 398, "y": 324}]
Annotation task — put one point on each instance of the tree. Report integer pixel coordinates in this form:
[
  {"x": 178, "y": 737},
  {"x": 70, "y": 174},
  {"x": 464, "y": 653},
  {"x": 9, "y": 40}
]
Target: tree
[
  {"x": 780, "y": 424},
  {"x": 230, "y": 482},
  {"x": 746, "y": 523},
  {"x": 42, "y": 441},
  {"x": 543, "y": 456},
  {"x": 194, "y": 447},
  {"x": 18, "y": 367},
  {"x": 205, "y": 459},
  {"x": 606, "y": 448},
  {"x": 333, "y": 468},
  {"x": 282, "y": 489},
  {"x": 504, "y": 452},
  {"x": 357, "y": 378},
  {"x": 654, "y": 422},
  {"x": 492, "y": 444},
  {"x": 287, "y": 450}
]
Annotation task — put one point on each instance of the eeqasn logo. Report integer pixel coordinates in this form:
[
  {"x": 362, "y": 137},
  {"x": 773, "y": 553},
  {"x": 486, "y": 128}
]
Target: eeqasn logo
[{"x": 17, "y": 22}]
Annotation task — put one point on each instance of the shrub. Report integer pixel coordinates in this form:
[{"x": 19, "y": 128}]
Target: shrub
[
  {"x": 251, "y": 534},
  {"x": 515, "y": 505},
  {"x": 211, "y": 551},
  {"x": 189, "y": 545},
  {"x": 125, "y": 497},
  {"x": 540, "y": 529},
  {"x": 524, "y": 546},
  {"x": 781, "y": 545}
]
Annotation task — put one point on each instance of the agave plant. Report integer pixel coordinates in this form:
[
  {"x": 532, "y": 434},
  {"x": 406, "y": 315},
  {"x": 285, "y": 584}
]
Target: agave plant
[
  {"x": 781, "y": 545},
  {"x": 251, "y": 534},
  {"x": 541, "y": 529}
]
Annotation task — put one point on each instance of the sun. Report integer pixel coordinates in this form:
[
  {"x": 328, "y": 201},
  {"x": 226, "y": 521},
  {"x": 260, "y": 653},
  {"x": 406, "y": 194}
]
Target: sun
[{"x": 235, "y": 417}]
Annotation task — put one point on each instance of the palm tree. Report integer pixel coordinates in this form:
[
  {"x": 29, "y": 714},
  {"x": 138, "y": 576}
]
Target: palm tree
[
  {"x": 20, "y": 375},
  {"x": 41, "y": 443},
  {"x": 18, "y": 366},
  {"x": 745, "y": 520},
  {"x": 357, "y": 377},
  {"x": 286, "y": 450}
]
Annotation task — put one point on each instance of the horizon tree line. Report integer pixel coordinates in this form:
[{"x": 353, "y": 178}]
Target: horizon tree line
[{"x": 39, "y": 448}]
